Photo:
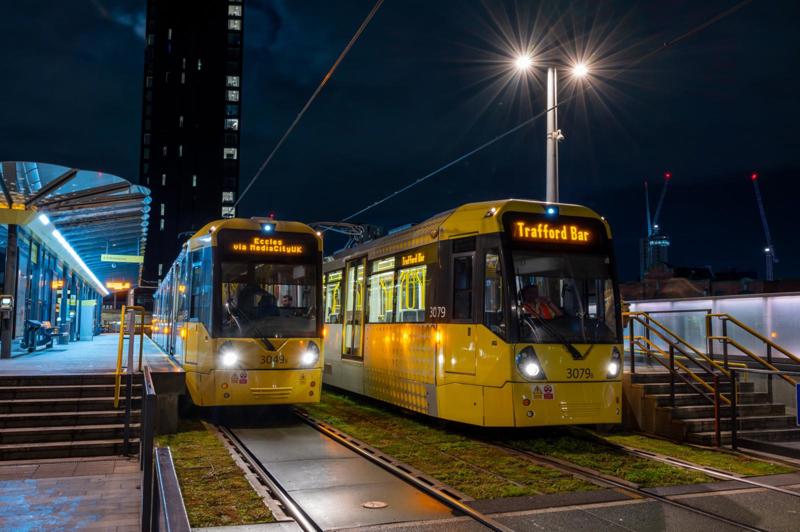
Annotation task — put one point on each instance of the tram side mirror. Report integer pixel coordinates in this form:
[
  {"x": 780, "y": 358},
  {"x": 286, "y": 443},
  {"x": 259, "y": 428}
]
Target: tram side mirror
[{"x": 6, "y": 306}]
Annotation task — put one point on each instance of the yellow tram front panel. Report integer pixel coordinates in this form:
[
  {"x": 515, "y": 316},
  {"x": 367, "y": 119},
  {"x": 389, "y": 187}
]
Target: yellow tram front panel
[{"x": 258, "y": 377}]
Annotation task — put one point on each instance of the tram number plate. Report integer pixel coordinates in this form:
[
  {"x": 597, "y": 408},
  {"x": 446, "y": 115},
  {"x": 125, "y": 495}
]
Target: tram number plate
[
  {"x": 269, "y": 359},
  {"x": 579, "y": 373}
]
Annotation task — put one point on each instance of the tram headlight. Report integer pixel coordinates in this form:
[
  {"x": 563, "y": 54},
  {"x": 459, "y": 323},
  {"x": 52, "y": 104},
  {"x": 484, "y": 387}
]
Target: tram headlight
[
  {"x": 228, "y": 355},
  {"x": 614, "y": 365},
  {"x": 310, "y": 356},
  {"x": 528, "y": 365}
]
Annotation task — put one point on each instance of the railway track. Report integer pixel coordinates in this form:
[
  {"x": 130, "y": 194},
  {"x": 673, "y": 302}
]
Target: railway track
[
  {"x": 305, "y": 519},
  {"x": 631, "y": 488}
]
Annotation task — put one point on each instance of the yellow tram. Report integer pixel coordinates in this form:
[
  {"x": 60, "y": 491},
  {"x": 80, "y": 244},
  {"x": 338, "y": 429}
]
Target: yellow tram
[
  {"x": 502, "y": 314},
  {"x": 240, "y": 312}
]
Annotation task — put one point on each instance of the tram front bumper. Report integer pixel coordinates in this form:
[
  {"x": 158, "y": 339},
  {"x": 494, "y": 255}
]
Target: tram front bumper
[
  {"x": 265, "y": 387},
  {"x": 566, "y": 403}
]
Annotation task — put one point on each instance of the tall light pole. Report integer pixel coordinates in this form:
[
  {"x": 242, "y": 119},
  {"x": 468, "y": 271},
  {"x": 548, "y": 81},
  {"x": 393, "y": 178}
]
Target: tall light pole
[{"x": 524, "y": 63}]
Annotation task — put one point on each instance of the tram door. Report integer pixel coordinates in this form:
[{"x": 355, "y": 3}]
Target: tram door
[{"x": 353, "y": 335}]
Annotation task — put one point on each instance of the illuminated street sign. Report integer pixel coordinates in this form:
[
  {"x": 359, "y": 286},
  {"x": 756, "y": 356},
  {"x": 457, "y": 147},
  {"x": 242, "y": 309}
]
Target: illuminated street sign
[
  {"x": 138, "y": 259},
  {"x": 118, "y": 285}
]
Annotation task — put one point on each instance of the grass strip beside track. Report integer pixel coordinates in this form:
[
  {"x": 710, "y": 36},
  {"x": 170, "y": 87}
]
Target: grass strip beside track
[
  {"x": 214, "y": 488},
  {"x": 476, "y": 469},
  {"x": 732, "y": 463},
  {"x": 647, "y": 473}
]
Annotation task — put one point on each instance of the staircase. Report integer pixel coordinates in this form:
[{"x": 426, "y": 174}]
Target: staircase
[
  {"x": 692, "y": 417},
  {"x": 57, "y": 416}
]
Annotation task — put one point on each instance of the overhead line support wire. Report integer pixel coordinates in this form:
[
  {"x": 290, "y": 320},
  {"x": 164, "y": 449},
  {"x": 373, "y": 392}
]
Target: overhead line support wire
[{"x": 311, "y": 99}]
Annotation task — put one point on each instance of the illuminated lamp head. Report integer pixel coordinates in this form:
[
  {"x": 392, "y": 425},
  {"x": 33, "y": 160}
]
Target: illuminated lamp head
[
  {"x": 551, "y": 210},
  {"x": 268, "y": 228}
]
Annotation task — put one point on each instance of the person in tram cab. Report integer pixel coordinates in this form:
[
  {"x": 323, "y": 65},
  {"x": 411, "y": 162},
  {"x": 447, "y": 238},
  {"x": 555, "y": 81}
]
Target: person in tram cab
[
  {"x": 538, "y": 305},
  {"x": 286, "y": 301}
]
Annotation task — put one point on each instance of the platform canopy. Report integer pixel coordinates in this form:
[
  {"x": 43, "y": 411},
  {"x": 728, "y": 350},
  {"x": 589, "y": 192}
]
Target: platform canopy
[{"x": 102, "y": 217}]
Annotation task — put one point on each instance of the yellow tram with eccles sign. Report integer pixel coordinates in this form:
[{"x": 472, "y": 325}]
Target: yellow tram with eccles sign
[
  {"x": 502, "y": 314},
  {"x": 240, "y": 312}
]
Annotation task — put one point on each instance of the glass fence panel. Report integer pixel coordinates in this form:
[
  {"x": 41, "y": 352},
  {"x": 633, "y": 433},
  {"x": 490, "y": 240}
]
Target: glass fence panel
[
  {"x": 785, "y": 323},
  {"x": 752, "y": 312}
]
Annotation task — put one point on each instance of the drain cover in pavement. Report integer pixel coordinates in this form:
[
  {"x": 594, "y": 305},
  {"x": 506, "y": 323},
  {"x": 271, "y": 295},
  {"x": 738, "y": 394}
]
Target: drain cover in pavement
[{"x": 374, "y": 505}]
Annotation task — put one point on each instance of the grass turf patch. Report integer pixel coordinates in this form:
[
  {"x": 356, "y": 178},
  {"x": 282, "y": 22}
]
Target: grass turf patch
[
  {"x": 475, "y": 468},
  {"x": 606, "y": 459},
  {"x": 732, "y": 463},
  {"x": 214, "y": 488}
]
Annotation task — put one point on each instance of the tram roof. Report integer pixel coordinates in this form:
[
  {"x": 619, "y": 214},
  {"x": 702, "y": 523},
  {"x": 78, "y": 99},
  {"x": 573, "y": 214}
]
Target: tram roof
[
  {"x": 93, "y": 213},
  {"x": 465, "y": 220}
]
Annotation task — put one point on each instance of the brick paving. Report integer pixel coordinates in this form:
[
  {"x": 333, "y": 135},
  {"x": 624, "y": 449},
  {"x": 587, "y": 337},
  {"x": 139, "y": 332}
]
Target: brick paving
[{"x": 70, "y": 494}]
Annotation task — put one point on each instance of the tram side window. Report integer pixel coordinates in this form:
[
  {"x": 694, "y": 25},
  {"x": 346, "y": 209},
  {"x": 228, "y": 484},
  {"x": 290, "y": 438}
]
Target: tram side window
[
  {"x": 380, "y": 291},
  {"x": 462, "y": 287},
  {"x": 333, "y": 297},
  {"x": 493, "y": 294},
  {"x": 410, "y": 294},
  {"x": 200, "y": 305}
]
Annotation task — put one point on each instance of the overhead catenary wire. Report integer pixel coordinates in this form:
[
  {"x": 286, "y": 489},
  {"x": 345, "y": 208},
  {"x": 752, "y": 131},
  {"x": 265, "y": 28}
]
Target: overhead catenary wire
[
  {"x": 311, "y": 99},
  {"x": 669, "y": 44}
]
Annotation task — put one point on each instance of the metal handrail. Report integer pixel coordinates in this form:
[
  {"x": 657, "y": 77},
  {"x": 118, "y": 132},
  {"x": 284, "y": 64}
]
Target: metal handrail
[
  {"x": 131, "y": 336},
  {"x": 169, "y": 512},
  {"x": 148, "y": 416},
  {"x": 644, "y": 342},
  {"x": 646, "y": 321},
  {"x": 752, "y": 332},
  {"x": 754, "y": 356}
]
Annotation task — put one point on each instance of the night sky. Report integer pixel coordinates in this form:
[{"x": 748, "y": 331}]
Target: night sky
[{"x": 427, "y": 82}]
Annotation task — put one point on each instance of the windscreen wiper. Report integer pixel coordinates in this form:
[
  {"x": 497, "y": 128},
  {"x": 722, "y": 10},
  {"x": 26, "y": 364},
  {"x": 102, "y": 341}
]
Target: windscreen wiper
[{"x": 563, "y": 341}]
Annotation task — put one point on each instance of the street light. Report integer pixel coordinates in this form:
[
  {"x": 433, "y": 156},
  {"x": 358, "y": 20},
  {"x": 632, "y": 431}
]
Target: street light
[{"x": 523, "y": 63}]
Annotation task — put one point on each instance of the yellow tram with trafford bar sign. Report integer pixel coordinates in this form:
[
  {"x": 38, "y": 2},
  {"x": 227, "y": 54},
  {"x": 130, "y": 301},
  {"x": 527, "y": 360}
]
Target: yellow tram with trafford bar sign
[
  {"x": 240, "y": 312},
  {"x": 502, "y": 314}
]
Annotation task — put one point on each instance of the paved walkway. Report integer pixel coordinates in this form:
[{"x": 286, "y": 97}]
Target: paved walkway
[
  {"x": 93, "y": 356},
  {"x": 70, "y": 494}
]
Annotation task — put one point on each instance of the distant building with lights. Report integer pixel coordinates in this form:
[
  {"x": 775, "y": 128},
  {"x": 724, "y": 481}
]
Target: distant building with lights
[{"x": 191, "y": 112}]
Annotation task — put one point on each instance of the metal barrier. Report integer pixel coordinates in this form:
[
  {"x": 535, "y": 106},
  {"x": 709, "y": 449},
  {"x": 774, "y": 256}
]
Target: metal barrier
[
  {"x": 726, "y": 341},
  {"x": 133, "y": 310},
  {"x": 162, "y": 501}
]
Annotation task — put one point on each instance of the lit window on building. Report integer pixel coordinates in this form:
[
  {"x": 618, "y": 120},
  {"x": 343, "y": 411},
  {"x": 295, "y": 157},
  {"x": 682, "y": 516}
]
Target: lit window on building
[
  {"x": 199, "y": 64},
  {"x": 228, "y": 212},
  {"x": 233, "y": 96},
  {"x": 180, "y": 121},
  {"x": 169, "y": 33},
  {"x": 234, "y": 24},
  {"x": 163, "y": 209},
  {"x": 227, "y": 196},
  {"x": 232, "y": 81},
  {"x": 148, "y": 81},
  {"x": 151, "y": 39},
  {"x": 183, "y": 78},
  {"x": 232, "y": 124},
  {"x": 163, "y": 180},
  {"x": 194, "y": 180},
  {"x": 161, "y": 224},
  {"x": 146, "y": 139},
  {"x": 164, "y": 150},
  {"x": 180, "y": 150},
  {"x": 234, "y": 11},
  {"x": 229, "y": 153}
]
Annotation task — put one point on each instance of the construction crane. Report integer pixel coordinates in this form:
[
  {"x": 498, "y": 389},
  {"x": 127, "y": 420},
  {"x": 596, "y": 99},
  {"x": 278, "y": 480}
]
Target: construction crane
[
  {"x": 769, "y": 249},
  {"x": 655, "y": 247}
]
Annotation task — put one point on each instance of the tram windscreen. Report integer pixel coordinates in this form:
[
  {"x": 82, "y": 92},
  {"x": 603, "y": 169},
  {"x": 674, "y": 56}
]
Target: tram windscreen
[
  {"x": 268, "y": 300},
  {"x": 565, "y": 297}
]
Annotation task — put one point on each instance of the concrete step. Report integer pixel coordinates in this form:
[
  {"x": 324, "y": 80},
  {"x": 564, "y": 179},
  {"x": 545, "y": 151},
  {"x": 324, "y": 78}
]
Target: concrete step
[
  {"x": 682, "y": 387},
  {"x": 38, "y": 435},
  {"x": 70, "y": 404},
  {"x": 695, "y": 398},
  {"x": 65, "y": 449},
  {"x": 64, "y": 419},
  {"x": 745, "y": 423},
  {"x": 62, "y": 380},
  {"x": 772, "y": 435},
  {"x": 62, "y": 391},
  {"x": 707, "y": 410}
]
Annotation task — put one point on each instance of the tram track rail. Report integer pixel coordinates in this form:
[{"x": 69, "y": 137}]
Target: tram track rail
[{"x": 624, "y": 486}]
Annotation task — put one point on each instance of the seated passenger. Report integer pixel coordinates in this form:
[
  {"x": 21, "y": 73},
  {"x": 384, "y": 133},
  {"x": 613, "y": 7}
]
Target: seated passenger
[{"x": 539, "y": 306}]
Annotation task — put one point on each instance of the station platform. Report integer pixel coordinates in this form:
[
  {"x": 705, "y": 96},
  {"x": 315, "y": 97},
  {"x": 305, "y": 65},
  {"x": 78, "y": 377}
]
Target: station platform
[{"x": 98, "y": 355}]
